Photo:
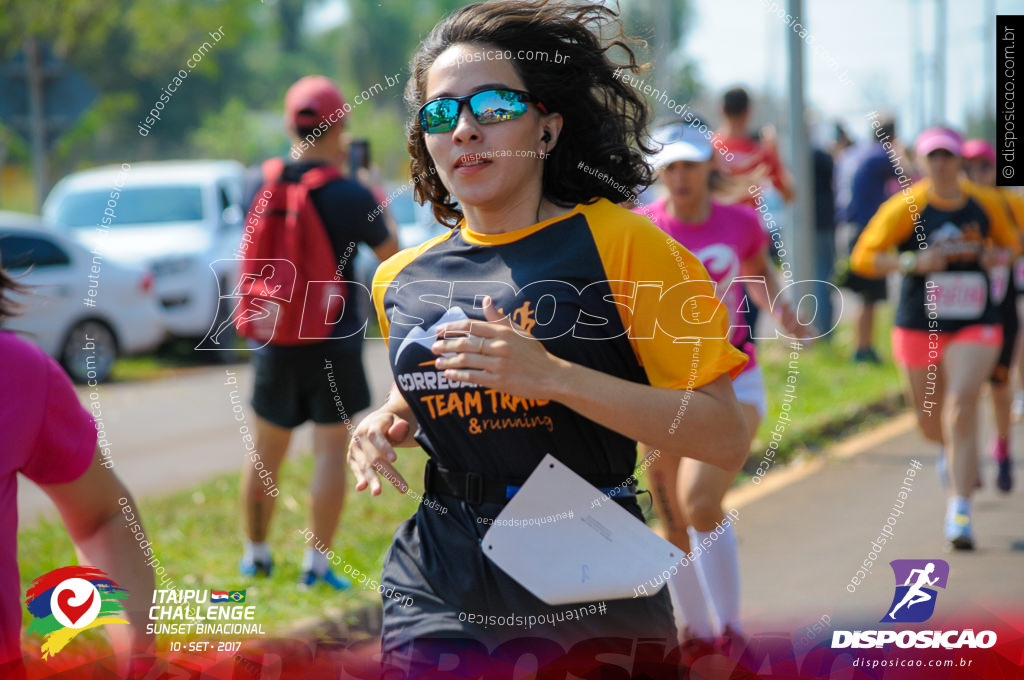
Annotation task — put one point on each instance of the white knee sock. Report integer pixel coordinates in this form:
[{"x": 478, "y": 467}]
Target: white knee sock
[
  {"x": 688, "y": 601},
  {"x": 256, "y": 551},
  {"x": 719, "y": 571},
  {"x": 313, "y": 560}
]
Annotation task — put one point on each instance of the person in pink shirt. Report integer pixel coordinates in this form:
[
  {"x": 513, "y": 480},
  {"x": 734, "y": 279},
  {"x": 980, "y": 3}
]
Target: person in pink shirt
[
  {"x": 47, "y": 436},
  {"x": 730, "y": 242}
]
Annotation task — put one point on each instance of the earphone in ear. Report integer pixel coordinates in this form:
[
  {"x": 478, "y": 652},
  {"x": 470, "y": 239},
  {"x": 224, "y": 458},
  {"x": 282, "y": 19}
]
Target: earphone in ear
[{"x": 546, "y": 137}]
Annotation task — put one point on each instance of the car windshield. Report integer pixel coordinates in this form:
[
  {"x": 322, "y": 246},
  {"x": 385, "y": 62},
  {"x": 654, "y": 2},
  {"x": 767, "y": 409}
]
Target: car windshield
[{"x": 134, "y": 206}]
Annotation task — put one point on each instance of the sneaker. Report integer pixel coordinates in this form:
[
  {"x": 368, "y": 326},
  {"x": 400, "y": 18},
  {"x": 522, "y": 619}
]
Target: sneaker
[
  {"x": 1004, "y": 479},
  {"x": 255, "y": 567},
  {"x": 958, "y": 531},
  {"x": 866, "y": 356},
  {"x": 308, "y": 579}
]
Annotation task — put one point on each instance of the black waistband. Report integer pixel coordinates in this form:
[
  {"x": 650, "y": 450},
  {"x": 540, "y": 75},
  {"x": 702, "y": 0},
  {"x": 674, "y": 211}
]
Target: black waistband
[{"x": 473, "y": 487}]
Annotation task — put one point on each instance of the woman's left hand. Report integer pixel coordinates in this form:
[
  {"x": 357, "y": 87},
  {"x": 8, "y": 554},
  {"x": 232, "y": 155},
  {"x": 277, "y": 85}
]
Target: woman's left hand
[
  {"x": 786, "y": 317},
  {"x": 496, "y": 354}
]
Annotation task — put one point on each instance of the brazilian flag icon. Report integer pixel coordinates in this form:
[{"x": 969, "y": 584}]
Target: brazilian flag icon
[{"x": 236, "y": 595}]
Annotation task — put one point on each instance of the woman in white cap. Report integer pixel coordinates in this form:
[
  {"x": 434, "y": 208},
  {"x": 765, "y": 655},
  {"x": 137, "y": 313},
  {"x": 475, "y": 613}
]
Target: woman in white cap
[
  {"x": 943, "y": 234},
  {"x": 730, "y": 241}
]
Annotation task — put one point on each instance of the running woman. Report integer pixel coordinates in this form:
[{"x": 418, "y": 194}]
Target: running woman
[
  {"x": 980, "y": 168},
  {"x": 947, "y": 233},
  {"x": 730, "y": 242},
  {"x": 559, "y": 350}
]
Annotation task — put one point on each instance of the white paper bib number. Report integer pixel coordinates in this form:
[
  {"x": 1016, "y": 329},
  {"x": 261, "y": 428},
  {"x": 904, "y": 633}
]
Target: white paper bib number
[
  {"x": 1018, "y": 274},
  {"x": 957, "y": 295}
]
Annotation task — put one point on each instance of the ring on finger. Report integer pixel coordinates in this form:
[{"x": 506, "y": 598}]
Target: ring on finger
[{"x": 480, "y": 349}]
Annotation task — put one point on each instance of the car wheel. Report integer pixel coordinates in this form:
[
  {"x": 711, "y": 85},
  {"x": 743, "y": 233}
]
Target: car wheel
[{"x": 89, "y": 351}]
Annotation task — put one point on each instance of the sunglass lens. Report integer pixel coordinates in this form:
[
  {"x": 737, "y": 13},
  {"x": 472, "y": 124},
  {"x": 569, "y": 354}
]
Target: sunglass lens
[
  {"x": 496, "y": 106},
  {"x": 440, "y": 115}
]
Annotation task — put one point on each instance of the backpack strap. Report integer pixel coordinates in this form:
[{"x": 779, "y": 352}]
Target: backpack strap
[
  {"x": 316, "y": 177},
  {"x": 272, "y": 168}
]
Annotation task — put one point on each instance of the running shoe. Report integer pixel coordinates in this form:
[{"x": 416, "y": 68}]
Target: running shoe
[
  {"x": 309, "y": 578},
  {"x": 1004, "y": 478},
  {"x": 958, "y": 531},
  {"x": 866, "y": 356},
  {"x": 255, "y": 567}
]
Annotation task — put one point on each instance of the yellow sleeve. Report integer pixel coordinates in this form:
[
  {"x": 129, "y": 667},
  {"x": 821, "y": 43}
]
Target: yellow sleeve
[
  {"x": 892, "y": 224},
  {"x": 1001, "y": 227},
  {"x": 386, "y": 273},
  {"x": 677, "y": 328},
  {"x": 1016, "y": 203}
]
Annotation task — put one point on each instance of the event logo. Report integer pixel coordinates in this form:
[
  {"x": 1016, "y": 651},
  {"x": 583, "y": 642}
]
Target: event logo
[
  {"x": 66, "y": 601},
  {"x": 914, "y": 600}
]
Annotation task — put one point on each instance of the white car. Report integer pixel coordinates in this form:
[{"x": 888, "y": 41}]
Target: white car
[
  {"x": 178, "y": 218},
  {"x": 84, "y": 332},
  {"x": 416, "y": 225}
]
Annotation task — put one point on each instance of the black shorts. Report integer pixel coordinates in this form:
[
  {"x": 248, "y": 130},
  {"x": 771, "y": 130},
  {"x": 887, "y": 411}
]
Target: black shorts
[
  {"x": 1011, "y": 325},
  {"x": 871, "y": 290},
  {"x": 324, "y": 384}
]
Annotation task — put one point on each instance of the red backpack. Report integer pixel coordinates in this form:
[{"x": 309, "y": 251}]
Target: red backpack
[{"x": 289, "y": 250}]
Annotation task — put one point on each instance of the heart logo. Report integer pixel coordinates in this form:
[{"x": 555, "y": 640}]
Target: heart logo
[{"x": 74, "y": 613}]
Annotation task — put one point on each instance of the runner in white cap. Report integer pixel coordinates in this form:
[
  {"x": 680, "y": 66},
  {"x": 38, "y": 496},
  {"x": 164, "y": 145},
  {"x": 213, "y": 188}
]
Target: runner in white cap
[{"x": 731, "y": 242}]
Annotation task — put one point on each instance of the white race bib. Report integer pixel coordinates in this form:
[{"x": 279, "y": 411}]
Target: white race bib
[
  {"x": 1018, "y": 275},
  {"x": 956, "y": 295}
]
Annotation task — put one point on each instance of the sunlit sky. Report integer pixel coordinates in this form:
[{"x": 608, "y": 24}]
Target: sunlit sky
[
  {"x": 744, "y": 42},
  {"x": 741, "y": 41}
]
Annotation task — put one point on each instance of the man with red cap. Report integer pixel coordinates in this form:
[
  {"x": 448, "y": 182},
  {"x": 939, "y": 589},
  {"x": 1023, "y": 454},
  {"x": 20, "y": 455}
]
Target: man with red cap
[
  {"x": 980, "y": 167},
  {"x": 323, "y": 381},
  {"x": 943, "y": 234}
]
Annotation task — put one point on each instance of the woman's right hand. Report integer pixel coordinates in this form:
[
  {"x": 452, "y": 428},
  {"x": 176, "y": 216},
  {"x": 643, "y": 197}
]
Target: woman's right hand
[
  {"x": 931, "y": 259},
  {"x": 372, "y": 450}
]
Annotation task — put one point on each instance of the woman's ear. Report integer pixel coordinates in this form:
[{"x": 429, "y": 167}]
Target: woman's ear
[{"x": 552, "y": 127}]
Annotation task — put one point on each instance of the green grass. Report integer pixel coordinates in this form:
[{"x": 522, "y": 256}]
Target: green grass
[
  {"x": 198, "y": 538},
  {"x": 830, "y": 388},
  {"x": 198, "y": 533}
]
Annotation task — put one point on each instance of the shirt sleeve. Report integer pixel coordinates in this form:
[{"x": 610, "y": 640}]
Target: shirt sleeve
[
  {"x": 384, "y": 278},
  {"x": 676, "y": 326},
  {"x": 371, "y": 228},
  {"x": 891, "y": 225},
  {"x": 1002, "y": 230},
  {"x": 66, "y": 441},
  {"x": 755, "y": 236}
]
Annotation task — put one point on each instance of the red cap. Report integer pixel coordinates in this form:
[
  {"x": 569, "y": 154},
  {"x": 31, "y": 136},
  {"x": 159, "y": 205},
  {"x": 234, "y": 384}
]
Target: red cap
[
  {"x": 979, "y": 148},
  {"x": 319, "y": 95},
  {"x": 936, "y": 138}
]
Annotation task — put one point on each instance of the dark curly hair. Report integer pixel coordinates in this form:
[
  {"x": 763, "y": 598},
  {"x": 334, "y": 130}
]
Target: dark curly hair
[
  {"x": 8, "y": 285},
  {"x": 605, "y": 119}
]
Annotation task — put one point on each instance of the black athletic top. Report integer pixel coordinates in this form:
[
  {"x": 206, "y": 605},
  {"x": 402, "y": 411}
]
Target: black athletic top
[
  {"x": 914, "y": 219},
  {"x": 576, "y": 283}
]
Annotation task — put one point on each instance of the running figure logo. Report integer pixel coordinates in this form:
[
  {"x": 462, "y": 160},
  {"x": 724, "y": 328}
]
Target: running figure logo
[{"x": 914, "y": 600}]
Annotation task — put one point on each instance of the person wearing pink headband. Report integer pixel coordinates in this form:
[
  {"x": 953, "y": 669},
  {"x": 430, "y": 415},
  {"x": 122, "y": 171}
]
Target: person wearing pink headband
[
  {"x": 980, "y": 168},
  {"x": 943, "y": 234}
]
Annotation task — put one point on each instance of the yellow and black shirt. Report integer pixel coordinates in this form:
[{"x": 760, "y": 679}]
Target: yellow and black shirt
[
  {"x": 916, "y": 218},
  {"x": 601, "y": 287}
]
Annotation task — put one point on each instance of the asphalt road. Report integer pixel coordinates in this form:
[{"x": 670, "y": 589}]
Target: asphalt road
[
  {"x": 801, "y": 544},
  {"x": 171, "y": 433}
]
